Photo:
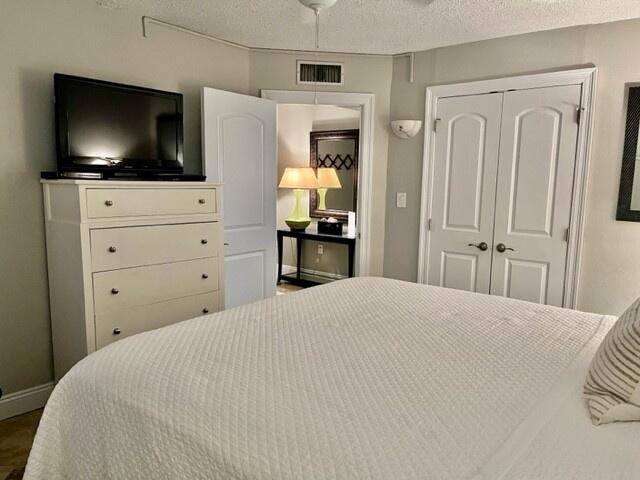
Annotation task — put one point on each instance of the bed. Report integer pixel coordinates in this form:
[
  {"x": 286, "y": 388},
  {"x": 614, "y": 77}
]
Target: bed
[{"x": 364, "y": 378}]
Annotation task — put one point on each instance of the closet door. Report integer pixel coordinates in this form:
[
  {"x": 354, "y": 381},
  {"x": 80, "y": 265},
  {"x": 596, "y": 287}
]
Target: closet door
[
  {"x": 533, "y": 193},
  {"x": 463, "y": 192}
]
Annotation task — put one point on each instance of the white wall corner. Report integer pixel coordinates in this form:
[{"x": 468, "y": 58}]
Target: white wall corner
[{"x": 25, "y": 401}]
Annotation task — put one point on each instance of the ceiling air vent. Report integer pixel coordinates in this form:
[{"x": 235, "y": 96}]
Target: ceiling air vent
[{"x": 321, "y": 73}]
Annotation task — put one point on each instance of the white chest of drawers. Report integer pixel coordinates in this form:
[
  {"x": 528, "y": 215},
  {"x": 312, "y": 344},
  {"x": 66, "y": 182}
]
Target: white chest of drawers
[{"x": 129, "y": 256}]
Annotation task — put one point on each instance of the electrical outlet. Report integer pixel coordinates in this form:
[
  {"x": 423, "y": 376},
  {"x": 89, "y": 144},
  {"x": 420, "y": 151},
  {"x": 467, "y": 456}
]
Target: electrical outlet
[
  {"x": 401, "y": 200},
  {"x": 320, "y": 249}
]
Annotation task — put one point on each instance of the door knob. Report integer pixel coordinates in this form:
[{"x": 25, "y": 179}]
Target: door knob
[
  {"x": 116, "y": 331},
  {"x": 481, "y": 246},
  {"x": 204, "y": 241},
  {"x": 501, "y": 247},
  {"x": 112, "y": 249}
]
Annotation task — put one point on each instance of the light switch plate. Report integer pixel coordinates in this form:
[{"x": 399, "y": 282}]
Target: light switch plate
[{"x": 401, "y": 200}]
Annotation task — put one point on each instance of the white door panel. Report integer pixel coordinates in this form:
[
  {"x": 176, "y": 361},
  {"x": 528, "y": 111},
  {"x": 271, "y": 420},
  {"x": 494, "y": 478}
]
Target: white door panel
[
  {"x": 463, "y": 191},
  {"x": 247, "y": 270},
  {"x": 524, "y": 280},
  {"x": 534, "y": 191},
  {"x": 239, "y": 150},
  {"x": 243, "y": 165},
  {"x": 459, "y": 271}
]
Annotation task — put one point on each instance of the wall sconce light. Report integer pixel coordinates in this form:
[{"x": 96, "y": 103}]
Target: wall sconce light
[{"x": 406, "y": 128}]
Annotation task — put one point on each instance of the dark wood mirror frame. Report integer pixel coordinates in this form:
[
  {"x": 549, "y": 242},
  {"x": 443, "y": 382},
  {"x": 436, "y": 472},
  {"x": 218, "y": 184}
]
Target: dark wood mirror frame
[
  {"x": 627, "y": 172},
  {"x": 314, "y": 162}
]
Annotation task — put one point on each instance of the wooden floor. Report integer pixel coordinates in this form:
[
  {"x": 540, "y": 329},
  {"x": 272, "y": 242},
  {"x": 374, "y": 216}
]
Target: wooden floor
[
  {"x": 16, "y": 437},
  {"x": 282, "y": 289}
]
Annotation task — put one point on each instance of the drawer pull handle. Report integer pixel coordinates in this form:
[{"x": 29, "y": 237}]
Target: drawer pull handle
[
  {"x": 205, "y": 276},
  {"x": 201, "y": 201},
  {"x": 109, "y": 203},
  {"x": 116, "y": 331},
  {"x": 204, "y": 241},
  {"x": 205, "y": 310},
  {"x": 112, "y": 249},
  {"x": 115, "y": 291}
]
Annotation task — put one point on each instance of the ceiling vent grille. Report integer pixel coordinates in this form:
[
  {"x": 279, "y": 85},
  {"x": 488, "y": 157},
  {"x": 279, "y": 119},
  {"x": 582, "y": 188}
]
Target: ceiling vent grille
[{"x": 321, "y": 73}]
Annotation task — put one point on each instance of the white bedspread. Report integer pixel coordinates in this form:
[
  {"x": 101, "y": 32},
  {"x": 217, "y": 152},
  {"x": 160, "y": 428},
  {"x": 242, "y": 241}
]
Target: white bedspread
[{"x": 364, "y": 378}]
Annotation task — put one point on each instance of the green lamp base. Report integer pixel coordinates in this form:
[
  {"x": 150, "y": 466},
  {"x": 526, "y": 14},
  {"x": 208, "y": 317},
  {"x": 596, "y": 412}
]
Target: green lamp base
[
  {"x": 298, "y": 225},
  {"x": 297, "y": 220},
  {"x": 322, "y": 194}
]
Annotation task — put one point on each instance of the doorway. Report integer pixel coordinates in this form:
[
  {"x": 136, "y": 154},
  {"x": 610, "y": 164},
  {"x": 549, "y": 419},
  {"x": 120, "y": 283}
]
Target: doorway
[
  {"x": 323, "y": 137},
  {"x": 239, "y": 140},
  {"x": 335, "y": 117}
]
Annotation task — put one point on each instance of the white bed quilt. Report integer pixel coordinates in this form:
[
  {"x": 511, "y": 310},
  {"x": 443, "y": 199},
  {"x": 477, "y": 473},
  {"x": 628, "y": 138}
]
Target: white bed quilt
[{"x": 361, "y": 379}]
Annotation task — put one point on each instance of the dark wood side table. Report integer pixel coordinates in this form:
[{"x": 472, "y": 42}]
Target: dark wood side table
[{"x": 297, "y": 278}]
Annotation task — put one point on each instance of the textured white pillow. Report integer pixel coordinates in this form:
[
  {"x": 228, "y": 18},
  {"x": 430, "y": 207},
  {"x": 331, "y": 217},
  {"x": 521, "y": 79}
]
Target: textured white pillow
[{"x": 612, "y": 387}]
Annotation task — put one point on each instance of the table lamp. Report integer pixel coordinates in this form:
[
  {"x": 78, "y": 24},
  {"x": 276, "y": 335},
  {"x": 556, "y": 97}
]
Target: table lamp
[
  {"x": 327, "y": 178},
  {"x": 298, "y": 179}
]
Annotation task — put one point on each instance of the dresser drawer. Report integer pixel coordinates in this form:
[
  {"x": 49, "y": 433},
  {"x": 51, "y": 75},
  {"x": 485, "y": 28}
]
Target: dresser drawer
[
  {"x": 113, "y": 248},
  {"x": 117, "y": 324},
  {"x": 140, "y": 202},
  {"x": 143, "y": 285}
]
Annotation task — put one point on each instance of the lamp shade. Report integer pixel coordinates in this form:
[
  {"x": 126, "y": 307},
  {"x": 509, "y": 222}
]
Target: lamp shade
[
  {"x": 328, "y": 178},
  {"x": 303, "y": 178}
]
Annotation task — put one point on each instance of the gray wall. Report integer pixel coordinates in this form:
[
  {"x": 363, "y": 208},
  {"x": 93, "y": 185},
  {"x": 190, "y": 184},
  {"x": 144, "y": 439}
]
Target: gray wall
[
  {"x": 610, "y": 277},
  {"x": 38, "y": 38}
]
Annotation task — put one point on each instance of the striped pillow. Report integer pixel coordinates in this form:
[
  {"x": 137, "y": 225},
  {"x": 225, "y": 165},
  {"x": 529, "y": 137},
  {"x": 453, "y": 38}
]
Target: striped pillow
[{"x": 612, "y": 388}]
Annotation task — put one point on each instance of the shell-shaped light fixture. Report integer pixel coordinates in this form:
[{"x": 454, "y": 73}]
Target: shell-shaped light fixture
[{"x": 406, "y": 128}]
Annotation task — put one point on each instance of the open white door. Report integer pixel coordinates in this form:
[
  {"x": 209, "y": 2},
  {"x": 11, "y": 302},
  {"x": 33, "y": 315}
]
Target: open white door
[{"x": 239, "y": 150}]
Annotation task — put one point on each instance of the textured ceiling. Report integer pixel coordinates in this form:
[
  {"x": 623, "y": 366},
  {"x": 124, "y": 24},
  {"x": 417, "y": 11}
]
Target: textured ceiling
[{"x": 376, "y": 26}]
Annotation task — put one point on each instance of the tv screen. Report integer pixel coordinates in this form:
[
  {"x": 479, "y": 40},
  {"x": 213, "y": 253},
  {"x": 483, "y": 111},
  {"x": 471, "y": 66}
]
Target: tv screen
[{"x": 108, "y": 127}]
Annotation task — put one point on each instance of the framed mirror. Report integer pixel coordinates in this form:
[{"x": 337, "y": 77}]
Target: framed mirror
[
  {"x": 335, "y": 149},
  {"x": 629, "y": 194}
]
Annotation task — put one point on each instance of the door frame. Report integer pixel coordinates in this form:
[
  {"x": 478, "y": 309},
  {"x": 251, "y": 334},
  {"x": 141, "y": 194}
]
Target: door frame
[
  {"x": 366, "y": 102},
  {"x": 586, "y": 77}
]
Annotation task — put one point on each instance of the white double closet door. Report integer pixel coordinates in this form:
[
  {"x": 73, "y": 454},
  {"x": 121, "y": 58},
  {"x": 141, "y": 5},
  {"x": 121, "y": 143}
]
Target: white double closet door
[{"x": 502, "y": 184}]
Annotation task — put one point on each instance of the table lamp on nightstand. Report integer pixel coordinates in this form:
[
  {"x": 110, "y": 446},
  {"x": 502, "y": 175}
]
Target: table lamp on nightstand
[
  {"x": 327, "y": 178},
  {"x": 298, "y": 179}
]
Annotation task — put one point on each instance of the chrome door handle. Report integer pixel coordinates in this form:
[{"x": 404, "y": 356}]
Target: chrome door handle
[
  {"x": 481, "y": 246},
  {"x": 501, "y": 247}
]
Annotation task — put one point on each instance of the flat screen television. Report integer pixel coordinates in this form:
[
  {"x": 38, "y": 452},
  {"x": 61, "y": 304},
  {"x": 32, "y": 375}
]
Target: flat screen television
[{"x": 115, "y": 130}]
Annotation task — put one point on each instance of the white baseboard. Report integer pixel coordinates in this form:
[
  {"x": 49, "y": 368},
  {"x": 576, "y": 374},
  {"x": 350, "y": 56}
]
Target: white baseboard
[{"x": 24, "y": 401}]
